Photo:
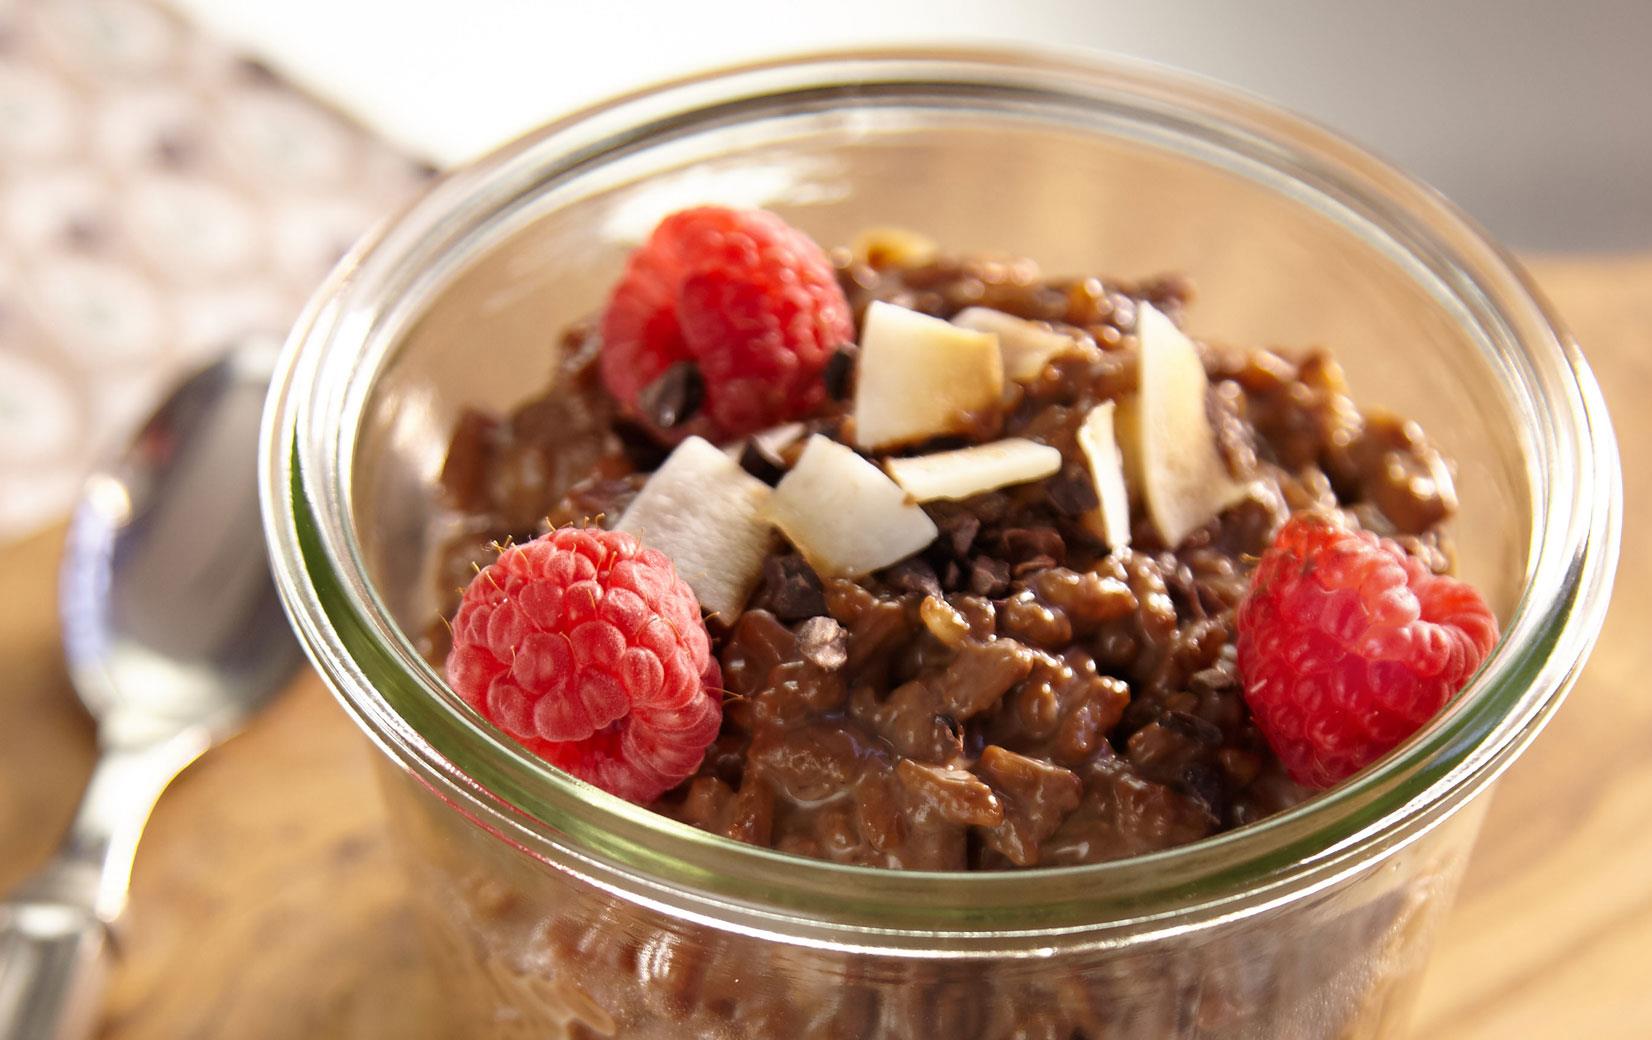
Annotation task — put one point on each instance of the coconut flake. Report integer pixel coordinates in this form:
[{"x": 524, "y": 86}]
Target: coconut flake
[
  {"x": 972, "y": 471},
  {"x": 705, "y": 512},
  {"x": 1027, "y": 347},
  {"x": 921, "y": 377},
  {"x": 844, "y": 515},
  {"x": 1183, "y": 478},
  {"x": 1110, "y": 520}
]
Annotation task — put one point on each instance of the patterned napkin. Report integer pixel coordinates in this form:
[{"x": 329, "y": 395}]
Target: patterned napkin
[{"x": 159, "y": 198}]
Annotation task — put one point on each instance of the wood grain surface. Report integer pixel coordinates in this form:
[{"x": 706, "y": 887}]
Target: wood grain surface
[{"x": 266, "y": 903}]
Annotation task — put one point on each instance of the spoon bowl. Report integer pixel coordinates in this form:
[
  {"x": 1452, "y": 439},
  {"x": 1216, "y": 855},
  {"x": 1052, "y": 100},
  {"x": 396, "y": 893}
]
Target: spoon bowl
[
  {"x": 174, "y": 637},
  {"x": 169, "y": 617}
]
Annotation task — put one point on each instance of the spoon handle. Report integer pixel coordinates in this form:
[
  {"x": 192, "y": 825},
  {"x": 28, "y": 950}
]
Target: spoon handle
[
  {"x": 55, "y": 930},
  {"x": 51, "y": 969}
]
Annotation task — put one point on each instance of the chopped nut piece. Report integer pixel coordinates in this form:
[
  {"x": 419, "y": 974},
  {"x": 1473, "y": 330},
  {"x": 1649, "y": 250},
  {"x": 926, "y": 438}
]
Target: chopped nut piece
[
  {"x": 823, "y": 643},
  {"x": 882, "y": 247},
  {"x": 943, "y": 620}
]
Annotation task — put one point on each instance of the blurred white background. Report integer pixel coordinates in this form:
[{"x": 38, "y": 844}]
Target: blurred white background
[{"x": 1534, "y": 115}]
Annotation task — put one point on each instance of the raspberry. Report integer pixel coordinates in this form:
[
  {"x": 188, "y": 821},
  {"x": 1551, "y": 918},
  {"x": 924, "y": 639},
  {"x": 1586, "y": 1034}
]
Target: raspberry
[
  {"x": 589, "y": 650},
  {"x": 750, "y": 300},
  {"x": 1348, "y": 645}
]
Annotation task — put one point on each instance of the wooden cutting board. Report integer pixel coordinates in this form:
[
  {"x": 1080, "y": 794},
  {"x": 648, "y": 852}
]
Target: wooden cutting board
[{"x": 266, "y": 903}]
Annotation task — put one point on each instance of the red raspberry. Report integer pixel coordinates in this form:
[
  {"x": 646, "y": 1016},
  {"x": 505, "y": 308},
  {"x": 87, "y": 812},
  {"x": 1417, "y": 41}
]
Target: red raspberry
[
  {"x": 590, "y": 651},
  {"x": 752, "y": 301},
  {"x": 1348, "y": 645}
]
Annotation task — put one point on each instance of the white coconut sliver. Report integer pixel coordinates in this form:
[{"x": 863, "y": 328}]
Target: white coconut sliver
[
  {"x": 972, "y": 471},
  {"x": 920, "y": 377},
  {"x": 844, "y": 515},
  {"x": 1184, "y": 480},
  {"x": 1110, "y": 520},
  {"x": 705, "y": 512},
  {"x": 1026, "y": 347}
]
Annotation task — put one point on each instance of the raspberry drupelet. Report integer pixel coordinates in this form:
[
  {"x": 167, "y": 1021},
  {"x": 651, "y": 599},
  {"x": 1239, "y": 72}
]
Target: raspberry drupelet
[{"x": 589, "y": 650}]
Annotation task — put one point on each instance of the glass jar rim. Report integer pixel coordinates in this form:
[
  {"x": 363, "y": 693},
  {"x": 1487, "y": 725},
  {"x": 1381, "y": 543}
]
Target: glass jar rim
[{"x": 336, "y": 349}]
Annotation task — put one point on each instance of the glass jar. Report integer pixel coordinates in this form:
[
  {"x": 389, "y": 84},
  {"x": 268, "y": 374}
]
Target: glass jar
[{"x": 562, "y": 911}]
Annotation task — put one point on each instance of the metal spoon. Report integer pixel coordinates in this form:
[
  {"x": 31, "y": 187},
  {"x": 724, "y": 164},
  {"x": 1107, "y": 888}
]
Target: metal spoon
[{"x": 174, "y": 636}]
